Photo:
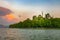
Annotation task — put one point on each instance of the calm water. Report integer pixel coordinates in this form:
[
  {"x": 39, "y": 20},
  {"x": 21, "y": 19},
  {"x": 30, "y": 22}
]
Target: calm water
[{"x": 28, "y": 34}]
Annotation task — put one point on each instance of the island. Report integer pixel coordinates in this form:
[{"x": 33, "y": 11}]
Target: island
[{"x": 38, "y": 22}]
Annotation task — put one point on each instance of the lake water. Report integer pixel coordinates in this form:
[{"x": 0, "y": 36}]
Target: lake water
[{"x": 28, "y": 34}]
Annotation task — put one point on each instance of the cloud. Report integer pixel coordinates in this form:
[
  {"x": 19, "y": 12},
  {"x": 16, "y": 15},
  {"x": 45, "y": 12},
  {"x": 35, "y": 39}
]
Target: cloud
[
  {"x": 7, "y": 17},
  {"x": 4, "y": 11},
  {"x": 10, "y": 17}
]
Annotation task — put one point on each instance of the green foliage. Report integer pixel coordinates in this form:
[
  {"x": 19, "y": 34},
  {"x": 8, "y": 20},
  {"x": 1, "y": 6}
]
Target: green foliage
[
  {"x": 56, "y": 22},
  {"x": 38, "y": 22},
  {"x": 47, "y": 16}
]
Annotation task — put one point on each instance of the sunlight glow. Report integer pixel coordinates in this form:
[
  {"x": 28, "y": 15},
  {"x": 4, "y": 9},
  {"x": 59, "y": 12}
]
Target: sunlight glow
[{"x": 10, "y": 17}]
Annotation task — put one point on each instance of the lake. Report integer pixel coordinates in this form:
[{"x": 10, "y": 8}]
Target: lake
[{"x": 29, "y": 34}]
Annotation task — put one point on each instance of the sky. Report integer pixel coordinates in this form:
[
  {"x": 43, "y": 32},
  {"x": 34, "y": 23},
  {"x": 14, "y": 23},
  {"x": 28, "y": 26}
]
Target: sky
[{"x": 23, "y": 9}]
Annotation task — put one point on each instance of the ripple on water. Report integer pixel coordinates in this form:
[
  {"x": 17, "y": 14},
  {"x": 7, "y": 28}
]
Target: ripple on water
[{"x": 28, "y": 34}]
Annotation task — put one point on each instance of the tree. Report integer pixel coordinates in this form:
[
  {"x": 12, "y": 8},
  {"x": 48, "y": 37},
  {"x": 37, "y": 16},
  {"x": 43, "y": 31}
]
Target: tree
[
  {"x": 56, "y": 22},
  {"x": 41, "y": 22},
  {"x": 34, "y": 17},
  {"x": 27, "y": 23},
  {"x": 35, "y": 22},
  {"x": 39, "y": 17},
  {"x": 38, "y": 22},
  {"x": 47, "y": 16}
]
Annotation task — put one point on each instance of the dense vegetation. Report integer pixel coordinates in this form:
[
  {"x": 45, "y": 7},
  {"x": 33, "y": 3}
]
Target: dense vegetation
[{"x": 38, "y": 22}]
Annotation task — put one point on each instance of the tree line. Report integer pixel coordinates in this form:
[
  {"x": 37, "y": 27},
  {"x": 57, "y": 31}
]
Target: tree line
[{"x": 38, "y": 22}]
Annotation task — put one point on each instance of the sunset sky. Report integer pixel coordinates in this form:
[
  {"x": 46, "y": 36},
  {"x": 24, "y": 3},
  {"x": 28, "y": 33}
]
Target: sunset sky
[{"x": 23, "y": 9}]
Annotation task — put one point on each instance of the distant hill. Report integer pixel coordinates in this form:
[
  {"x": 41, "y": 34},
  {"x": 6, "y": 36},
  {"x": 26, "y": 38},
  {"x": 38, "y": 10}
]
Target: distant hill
[{"x": 2, "y": 26}]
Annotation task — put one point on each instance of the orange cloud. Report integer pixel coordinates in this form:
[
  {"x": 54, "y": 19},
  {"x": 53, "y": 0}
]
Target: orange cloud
[{"x": 10, "y": 17}]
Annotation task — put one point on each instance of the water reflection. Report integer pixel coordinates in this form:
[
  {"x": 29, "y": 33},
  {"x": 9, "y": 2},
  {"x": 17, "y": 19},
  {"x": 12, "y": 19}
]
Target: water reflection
[{"x": 28, "y": 34}]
